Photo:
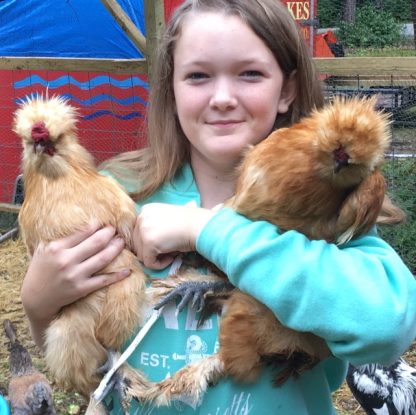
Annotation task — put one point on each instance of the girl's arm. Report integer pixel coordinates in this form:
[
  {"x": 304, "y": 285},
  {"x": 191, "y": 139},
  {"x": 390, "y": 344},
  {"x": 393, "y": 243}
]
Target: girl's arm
[
  {"x": 359, "y": 297},
  {"x": 61, "y": 272}
]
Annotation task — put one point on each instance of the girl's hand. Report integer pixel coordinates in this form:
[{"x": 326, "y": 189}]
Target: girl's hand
[
  {"x": 63, "y": 271},
  {"x": 163, "y": 230}
]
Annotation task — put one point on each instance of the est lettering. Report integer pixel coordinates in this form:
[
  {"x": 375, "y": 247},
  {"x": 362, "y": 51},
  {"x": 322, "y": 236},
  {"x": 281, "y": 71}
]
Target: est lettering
[{"x": 153, "y": 359}]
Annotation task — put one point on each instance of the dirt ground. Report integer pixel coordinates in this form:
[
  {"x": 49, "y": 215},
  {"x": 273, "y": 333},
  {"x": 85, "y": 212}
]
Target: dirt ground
[{"x": 13, "y": 264}]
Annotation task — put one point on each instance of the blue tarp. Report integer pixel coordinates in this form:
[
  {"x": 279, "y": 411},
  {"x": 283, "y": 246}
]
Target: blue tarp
[{"x": 66, "y": 28}]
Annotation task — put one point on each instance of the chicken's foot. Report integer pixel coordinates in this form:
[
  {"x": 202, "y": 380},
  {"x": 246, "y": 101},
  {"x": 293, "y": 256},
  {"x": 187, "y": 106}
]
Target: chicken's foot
[
  {"x": 124, "y": 381},
  {"x": 196, "y": 293}
]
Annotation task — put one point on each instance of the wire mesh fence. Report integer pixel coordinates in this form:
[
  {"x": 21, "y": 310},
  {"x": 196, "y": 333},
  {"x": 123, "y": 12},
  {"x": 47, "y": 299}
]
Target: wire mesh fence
[
  {"x": 395, "y": 95},
  {"x": 111, "y": 107},
  {"x": 112, "y": 110}
]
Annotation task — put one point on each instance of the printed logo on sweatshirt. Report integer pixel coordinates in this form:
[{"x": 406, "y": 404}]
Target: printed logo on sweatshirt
[
  {"x": 171, "y": 320},
  {"x": 196, "y": 349},
  {"x": 240, "y": 406}
]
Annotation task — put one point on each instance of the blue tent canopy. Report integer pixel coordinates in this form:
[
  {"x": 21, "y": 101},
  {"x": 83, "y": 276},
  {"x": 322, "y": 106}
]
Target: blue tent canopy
[{"x": 67, "y": 28}]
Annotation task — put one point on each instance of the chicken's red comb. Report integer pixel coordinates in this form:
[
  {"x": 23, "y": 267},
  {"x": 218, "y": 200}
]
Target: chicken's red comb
[{"x": 39, "y": 132}]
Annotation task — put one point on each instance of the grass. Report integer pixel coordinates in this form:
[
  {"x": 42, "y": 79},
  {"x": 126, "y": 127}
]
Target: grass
[
  {"x": 406, "y": 48},
  {"x": 13, "y": 265},
  {"x": 383, "y": 52},
  {"x": 401, "y": 179}
]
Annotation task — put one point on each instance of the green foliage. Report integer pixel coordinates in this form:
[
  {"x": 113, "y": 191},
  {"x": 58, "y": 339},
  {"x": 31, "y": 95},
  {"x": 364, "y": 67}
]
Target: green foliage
[
  {"x": 399, "y": 9},
  {"x": 330, "y": 11},
  {"x": 329, "y": 14},
  {"x": 401, "y": 178},
  {"x": 372, "y": 28}
]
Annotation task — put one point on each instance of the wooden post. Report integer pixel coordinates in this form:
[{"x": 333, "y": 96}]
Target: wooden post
[
  {"x": 155, "y": 23},
  {"x": 8, "y": 207},
  {"x": 37, "y": 63},
  {"x": 369, "y": 66},
  {"x": 126, "y": 24}
]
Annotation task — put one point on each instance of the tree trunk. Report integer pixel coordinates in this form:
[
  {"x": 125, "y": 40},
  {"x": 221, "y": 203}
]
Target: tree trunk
[{"x": 349, "y": 11}]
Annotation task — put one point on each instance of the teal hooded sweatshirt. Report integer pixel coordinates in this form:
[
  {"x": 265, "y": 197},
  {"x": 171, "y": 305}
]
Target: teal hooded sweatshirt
[{"x": 359, "y": 297}]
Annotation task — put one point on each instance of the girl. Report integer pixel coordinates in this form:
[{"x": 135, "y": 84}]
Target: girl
[{"x": 228, "y": 73}]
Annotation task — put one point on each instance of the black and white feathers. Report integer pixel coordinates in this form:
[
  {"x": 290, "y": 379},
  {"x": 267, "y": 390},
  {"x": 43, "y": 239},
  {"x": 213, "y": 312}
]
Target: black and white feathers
[{"x": 384, "y": 390}]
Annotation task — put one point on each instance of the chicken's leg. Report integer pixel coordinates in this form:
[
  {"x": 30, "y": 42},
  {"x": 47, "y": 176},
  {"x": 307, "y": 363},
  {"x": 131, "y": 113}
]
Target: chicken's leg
[{"x": 189, "y": 285}]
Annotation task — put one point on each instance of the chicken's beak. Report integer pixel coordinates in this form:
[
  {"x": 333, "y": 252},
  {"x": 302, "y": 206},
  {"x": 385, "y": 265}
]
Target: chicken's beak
[
  {"x": 39, "y": 147},
  {"x": 340, "y": 165},
  {"x": 44, "y": 147},
  {"x": 341, "y": 159}
]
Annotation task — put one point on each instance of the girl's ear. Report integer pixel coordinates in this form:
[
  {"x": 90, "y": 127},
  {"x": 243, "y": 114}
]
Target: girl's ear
[{"x": 288, "y": 93}]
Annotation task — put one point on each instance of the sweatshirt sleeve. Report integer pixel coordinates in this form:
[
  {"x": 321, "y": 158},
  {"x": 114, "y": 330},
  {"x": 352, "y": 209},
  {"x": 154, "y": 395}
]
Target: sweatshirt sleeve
[{"x": 359, "y": 297}]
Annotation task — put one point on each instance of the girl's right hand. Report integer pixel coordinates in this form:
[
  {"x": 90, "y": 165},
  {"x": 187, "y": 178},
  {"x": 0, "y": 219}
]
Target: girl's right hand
[{"x": 67, "y": 269}]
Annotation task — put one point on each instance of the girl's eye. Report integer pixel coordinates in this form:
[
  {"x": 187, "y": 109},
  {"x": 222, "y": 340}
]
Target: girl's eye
[
  {"x": 196, "y": 76},
  {"x": 252, "y": 74}
]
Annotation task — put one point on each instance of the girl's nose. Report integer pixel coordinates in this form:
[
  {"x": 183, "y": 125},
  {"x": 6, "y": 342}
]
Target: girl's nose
[{"x": 223, "y": 95}]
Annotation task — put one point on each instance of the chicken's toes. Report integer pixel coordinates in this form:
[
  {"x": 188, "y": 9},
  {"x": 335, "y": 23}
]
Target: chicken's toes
[
  {"x": 195, "y": 291},
  {"x": 125, "y": 385},
  {"x": 112, "y": 357},
  {"x": 112, "y": 383}
]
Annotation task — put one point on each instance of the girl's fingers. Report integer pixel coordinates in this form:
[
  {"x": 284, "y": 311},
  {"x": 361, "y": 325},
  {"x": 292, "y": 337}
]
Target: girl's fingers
[
  {"x": 79, "y": 236},
  {"x": 95, "y": 243},
  {"x": 92, "y": 264},
  {"x": 103, "y": 280}
]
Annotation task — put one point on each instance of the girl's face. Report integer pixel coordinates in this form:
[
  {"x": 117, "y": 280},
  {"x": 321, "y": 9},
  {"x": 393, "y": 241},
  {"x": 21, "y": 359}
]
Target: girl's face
[{"x": 228, "y": 87}]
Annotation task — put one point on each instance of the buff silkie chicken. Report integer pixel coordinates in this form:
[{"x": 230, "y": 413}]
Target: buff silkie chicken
[
  {"x": 64, "y": 193},
  {"x": 321, "y": 177}
]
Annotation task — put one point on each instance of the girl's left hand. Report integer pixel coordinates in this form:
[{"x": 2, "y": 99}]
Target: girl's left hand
[{"x": 163, "y": 230}]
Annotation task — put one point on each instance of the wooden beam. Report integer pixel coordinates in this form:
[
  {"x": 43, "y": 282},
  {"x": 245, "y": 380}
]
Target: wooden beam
[
  {"x": 126, "y": 24},
  {"x": 9, "y": 235},
  {"x": 350, "y": 66},
  {"x": 155, "y": 24},
  {"x": 74, "y": 64},
  {"x": 8, "y": 207}
]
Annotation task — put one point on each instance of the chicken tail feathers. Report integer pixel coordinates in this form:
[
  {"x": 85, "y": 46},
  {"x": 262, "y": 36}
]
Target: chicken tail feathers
[{"x": 39, "y": 400}]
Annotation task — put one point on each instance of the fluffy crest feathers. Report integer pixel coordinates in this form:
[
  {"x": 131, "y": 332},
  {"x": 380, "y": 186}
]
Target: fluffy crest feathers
[
  {"x": 47, "y": 128},
  {"x": 54, "y": 115},
  {"x": 356, "y": 126}
]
